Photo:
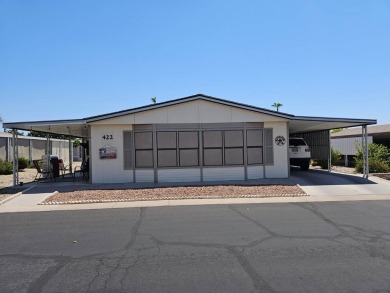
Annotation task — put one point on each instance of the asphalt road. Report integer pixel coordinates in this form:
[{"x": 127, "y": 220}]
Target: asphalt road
[{"x": 301, "y": 247}]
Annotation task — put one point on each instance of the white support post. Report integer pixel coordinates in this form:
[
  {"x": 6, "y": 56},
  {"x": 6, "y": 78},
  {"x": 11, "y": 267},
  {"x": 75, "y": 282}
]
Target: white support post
[
  {"x": 15, "y": 157},
  {"x": 47, "y": 145},
  {"x": 365, "y": 151},
  {"x": 70, "y": 155},
  {"x": 330, "y": 153}
]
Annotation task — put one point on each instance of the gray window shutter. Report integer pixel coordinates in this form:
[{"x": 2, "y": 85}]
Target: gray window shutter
[
  {"x": 128, "y": 150},
  {"x": 269, "y": 146}
]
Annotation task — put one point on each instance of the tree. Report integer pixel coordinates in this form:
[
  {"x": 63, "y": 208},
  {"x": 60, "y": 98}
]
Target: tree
[
  {"x": 337, "y": 130},
  {"x": 17, "y": 132},
  {"x": 154, "y": 100},
  {"x": 277, "y": 106}
]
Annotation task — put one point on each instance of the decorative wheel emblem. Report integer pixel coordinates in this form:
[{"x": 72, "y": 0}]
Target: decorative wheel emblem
[{"x": 280, "y": 140}]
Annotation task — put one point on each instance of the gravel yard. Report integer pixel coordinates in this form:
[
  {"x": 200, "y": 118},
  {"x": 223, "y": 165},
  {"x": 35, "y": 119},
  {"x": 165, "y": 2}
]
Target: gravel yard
[
  {"x": 383, "y": 176},
  {"x": 189, "y": 192},
  {"x": 25, "y": 176}
]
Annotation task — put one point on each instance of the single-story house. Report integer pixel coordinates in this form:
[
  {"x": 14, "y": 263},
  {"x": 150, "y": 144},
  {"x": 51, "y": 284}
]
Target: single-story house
[
  {"x": 196, "y": 138},
  {"x": 347, "y": 140}
]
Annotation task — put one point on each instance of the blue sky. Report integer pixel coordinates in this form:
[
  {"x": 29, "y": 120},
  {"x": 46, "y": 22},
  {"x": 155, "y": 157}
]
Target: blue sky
[{"x": 73, "y": 59}]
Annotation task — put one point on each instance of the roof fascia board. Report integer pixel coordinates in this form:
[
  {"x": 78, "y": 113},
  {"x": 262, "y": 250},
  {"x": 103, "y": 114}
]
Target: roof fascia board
[
  {"x": 43, "y": 123},
  {"x": 329, "y": 119}
]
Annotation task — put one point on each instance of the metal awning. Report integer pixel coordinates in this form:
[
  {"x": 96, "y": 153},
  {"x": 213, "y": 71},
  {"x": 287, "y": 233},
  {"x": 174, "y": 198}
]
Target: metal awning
[
  {"x": 74, "y": 128},
  {"x": 302, "y": 124}
]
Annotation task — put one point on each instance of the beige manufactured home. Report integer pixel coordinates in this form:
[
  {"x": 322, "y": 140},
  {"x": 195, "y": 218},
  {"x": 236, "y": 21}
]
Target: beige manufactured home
[{"x": 196, "y": 138}]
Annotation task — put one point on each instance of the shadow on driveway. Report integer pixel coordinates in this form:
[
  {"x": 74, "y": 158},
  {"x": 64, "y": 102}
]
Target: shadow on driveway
[{"x": 322, "y": 177}]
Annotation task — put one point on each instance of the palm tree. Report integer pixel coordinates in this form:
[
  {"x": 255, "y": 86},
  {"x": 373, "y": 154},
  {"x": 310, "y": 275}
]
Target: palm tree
[
  {"x": 277, "y": 106},
  {"x": 154, "y": 100}
]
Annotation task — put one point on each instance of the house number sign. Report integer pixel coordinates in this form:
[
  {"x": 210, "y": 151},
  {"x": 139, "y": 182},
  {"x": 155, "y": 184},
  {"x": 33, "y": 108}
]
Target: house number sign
[
  {"x": 108, "y": 137},
  {"x": 280, "y": 140}
]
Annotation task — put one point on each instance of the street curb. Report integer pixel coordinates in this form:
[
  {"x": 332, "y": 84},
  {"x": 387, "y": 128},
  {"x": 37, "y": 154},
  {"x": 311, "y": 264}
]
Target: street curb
[{"x": 16, "y": 195}]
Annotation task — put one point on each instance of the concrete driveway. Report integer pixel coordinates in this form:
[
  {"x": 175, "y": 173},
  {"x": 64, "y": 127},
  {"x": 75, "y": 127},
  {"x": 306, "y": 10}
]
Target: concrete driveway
[{"x": 318, "y": 183}]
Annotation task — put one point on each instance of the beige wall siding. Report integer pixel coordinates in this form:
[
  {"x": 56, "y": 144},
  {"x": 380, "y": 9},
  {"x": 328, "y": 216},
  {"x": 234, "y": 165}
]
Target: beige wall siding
[
  {"x": 146, "y": 175},
  {"x": 255, "y": 172},
  {"x": 179, "y": 175},
  {"x": 108, "y": 170},
  {"x": 191, "y": 112},
  {"x": 281, "y": 162},
  {"x": 225, "y": 173}
]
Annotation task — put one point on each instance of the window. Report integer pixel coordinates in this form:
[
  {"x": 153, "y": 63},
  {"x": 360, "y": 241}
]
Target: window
[
  {"x": 166, "y": 149},
  {"x": 212, "y": 148},
  {"x": 234, "y": 147},
  {"x": 189, "y": 148},
  {"x": 143, "y": 144},
  {"x": 223, "y": 148},
  {"x": 254, "y": 142}
]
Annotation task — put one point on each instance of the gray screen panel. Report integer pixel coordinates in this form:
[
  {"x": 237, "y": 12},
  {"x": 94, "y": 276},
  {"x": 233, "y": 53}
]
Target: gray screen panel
[
  {"x": 234, "y": 156},
  {"x": 212, "y": 157},
  {"x": 167, "y": 158},
  {"x": 143, "y": 140},
  {"x": 144, "y": 159},
  {"x": 166, "y": 139},
  {"x": 254, "y": 138},
  {"x": 234, "y": 138},
  {"x": 212, "y": 139},
  {"x": 255, "y": 156},
  {"x": 189, "y": 158},
  {"x": 188, "y": 139}
]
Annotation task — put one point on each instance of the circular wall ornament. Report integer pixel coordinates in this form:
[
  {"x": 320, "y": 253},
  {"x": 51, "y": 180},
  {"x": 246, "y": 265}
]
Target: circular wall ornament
[{"x": 280, "y": 140}]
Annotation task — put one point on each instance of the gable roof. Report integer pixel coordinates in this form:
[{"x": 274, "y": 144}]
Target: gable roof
[
  {"x": 297, "y": 124},
  {"x": 201, "y": 97}
]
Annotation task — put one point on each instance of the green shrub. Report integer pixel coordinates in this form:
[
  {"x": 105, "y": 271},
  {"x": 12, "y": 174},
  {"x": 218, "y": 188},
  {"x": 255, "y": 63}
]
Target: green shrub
[
  {"x": 336, "y": 160},
  {"x": 5, "y": 167},
  {"x": 378, "y": 159},
  {"x": 23, "y": 163}
]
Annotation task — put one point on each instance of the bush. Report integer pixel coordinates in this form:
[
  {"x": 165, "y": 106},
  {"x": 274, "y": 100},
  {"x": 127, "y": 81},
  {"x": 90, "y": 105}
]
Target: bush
[
  {"x": 378, "y": 159},
  {"x": 5, "y": 167},
  {"x": 336, "y": 160},
  {"x": 23, "y": 163}
]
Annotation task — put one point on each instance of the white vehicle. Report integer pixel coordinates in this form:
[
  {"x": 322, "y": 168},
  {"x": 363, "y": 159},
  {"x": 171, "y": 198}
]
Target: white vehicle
[{"x": 299, "y": 153}]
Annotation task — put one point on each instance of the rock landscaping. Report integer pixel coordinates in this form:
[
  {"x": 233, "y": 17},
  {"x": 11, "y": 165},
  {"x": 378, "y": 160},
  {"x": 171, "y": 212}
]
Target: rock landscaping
[{"x": 164, "y": 193}]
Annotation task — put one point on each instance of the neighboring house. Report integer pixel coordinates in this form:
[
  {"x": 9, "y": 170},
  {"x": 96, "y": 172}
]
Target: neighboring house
[
  {"x": 196, "y": 138},
  {"x": 347, "y": 140}
]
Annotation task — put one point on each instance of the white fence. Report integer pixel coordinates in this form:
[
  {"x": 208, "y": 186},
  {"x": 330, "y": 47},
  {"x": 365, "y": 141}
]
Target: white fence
[{"x": 33, "y": 148}]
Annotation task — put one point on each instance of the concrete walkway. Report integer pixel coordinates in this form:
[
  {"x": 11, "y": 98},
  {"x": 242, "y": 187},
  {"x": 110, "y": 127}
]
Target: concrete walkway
[{"x": 321, "y": 187}]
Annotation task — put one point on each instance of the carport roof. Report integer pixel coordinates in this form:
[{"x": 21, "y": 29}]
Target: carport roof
[
  {"x": 371, "y": 130},
  {"x": 297, "y": 124}
]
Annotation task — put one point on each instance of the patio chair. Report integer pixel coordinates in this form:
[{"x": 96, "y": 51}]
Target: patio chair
[
  {"x": 40, "y": 172},
  {"x": 83, "y": 170}
]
